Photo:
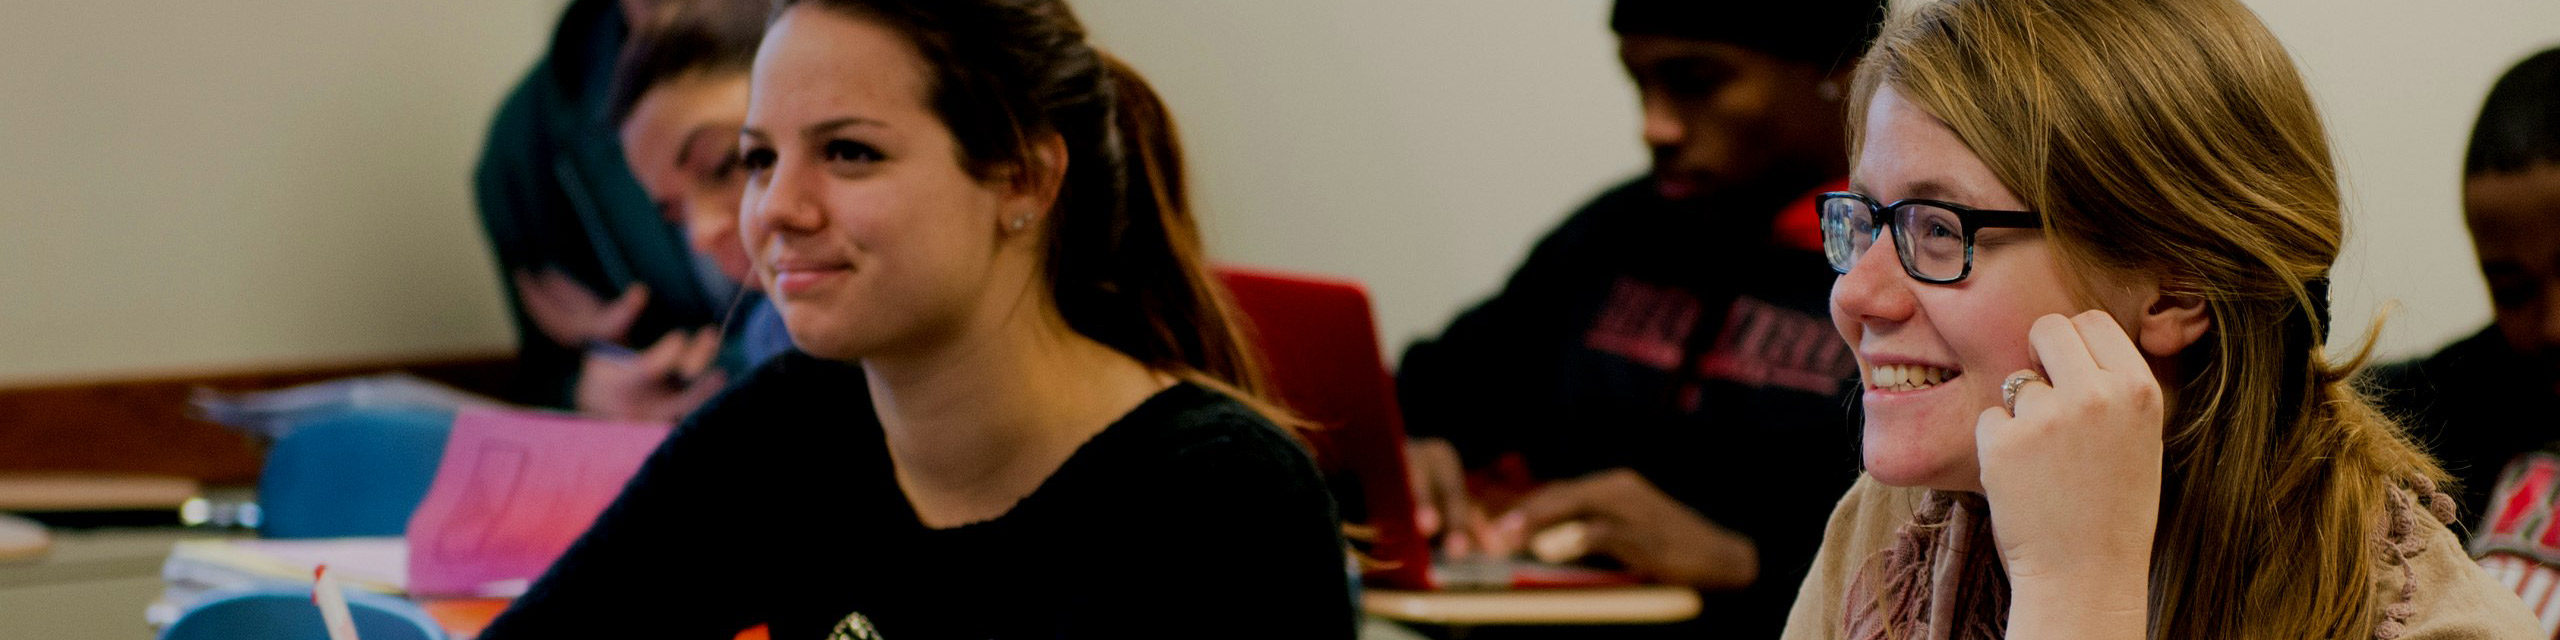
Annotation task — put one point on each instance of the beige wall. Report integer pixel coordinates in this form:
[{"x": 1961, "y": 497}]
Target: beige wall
[
  {"x": 281, "y": 181},
  {"x": 220, "y": 184},
  {"x": 1418, "y": 146},
  {"x": 2400, "y": 83}
]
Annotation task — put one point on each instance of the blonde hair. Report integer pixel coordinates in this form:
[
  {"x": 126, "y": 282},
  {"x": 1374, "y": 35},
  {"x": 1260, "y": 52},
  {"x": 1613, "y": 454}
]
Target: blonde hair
[{"x": 2173, "y": 139}]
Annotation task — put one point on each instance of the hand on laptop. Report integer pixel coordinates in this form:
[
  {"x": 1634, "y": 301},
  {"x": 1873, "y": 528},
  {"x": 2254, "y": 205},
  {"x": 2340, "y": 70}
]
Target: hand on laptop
[
  {"x": 1440, "y": 502},
  {"x": 1623, "y": 516}
]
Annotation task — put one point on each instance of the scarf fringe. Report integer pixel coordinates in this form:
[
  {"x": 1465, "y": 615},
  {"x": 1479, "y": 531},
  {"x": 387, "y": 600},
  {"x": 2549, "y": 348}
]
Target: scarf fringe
[
  {"x": 1947, "y": 549},
  {"x": 2401, "y": 540}
]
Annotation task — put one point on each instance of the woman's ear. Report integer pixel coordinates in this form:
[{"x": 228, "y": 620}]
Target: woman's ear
[
  {"x": 1031, "y": 188},
  {"x": 2170, "y": 322}
]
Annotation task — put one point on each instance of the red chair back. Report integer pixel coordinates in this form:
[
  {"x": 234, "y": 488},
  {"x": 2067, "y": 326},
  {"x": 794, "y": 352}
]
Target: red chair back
[{"x": 1319, "y": 347}]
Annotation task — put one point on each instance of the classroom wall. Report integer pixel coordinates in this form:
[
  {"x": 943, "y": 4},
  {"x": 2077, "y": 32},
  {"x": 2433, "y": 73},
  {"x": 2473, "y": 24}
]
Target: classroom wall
[
  {"x": 270, "y": 182},
  {"x": 1417, "y": 146},
  {"x": 2400, "y": 83},
  {"x": 247, "y": 183}
]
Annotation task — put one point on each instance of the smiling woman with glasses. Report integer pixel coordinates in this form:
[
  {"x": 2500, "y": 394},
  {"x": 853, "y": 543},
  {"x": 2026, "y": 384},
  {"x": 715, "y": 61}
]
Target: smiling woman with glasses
[{"x": 2098, "y": 401}]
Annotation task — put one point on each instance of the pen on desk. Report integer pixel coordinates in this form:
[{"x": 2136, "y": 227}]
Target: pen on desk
[{"x": 333, "y": 605}]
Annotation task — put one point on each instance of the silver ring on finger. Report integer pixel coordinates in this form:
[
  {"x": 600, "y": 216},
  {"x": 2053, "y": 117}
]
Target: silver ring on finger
[{"x": 2009, "y": 389}]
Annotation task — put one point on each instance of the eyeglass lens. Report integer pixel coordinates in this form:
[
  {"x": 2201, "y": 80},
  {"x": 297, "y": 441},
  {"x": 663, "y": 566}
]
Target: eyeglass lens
[{"x": 1930, "y": 239}]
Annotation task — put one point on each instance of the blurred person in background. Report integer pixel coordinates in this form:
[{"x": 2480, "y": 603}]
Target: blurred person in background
[
  {"x": 2484, "y": 404},
  {"x": 678, "y": 97},
  {"x": 586, "y": 257},
  {"x": 1661, "y": 368},
  {"x": 2470, "y": 401}
]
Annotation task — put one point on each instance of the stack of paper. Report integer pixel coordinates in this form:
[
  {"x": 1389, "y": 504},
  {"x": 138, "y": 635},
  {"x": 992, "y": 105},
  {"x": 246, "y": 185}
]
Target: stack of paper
[
  {"x": 199, "y": 567},
  {"x": 273, "y": 413}
]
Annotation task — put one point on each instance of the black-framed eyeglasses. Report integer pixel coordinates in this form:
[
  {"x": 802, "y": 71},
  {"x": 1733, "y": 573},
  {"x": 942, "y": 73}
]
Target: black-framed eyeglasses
[{"x": 1935, "y": 238}]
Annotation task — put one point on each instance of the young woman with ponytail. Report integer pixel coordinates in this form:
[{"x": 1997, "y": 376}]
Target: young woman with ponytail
[
  {"x": 1021, "y": 408},
  {"x": 2083, "y": 267}
]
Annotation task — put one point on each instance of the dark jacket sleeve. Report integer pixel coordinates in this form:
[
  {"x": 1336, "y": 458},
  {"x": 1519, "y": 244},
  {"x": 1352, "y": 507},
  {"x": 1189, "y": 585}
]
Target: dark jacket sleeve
[
  {"x": 674, "y": 556},
  {"x": 509, "y": 186},
  {"x": 1252, "y": 545},
  {"x": 2461, "y": 405},
  {"x": 1493, "y": 373}
]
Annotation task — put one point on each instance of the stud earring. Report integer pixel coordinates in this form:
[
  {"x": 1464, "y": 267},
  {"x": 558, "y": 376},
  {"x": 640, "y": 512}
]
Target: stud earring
[{"x": 1017, "y": 223}]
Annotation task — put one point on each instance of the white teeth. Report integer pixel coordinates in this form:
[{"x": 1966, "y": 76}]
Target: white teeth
[{"x": 1906, "y": 377}]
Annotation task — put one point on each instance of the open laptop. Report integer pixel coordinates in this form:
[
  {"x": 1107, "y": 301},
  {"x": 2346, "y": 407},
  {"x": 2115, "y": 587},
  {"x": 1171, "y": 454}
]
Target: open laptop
[{"x": 1320, "y": 347}]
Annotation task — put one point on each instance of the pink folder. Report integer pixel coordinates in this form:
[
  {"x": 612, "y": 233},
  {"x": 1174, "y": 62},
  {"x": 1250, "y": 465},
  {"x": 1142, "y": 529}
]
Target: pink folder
[{"x": 514, "y": 490}]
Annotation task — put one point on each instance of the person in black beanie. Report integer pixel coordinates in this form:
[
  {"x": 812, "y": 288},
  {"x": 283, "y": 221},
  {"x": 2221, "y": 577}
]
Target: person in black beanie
[{"x": 1660, "y": 377}]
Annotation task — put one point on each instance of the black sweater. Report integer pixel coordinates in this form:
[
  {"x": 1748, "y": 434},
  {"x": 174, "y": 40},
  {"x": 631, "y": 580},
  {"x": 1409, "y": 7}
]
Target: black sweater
[
  {"x": 1691, "y": 343},
  {"x": 776, "y": 504},
  {"x": 2476, "y": 405}
]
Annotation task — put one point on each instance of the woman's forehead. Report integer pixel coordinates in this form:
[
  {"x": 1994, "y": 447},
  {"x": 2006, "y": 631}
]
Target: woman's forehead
[
  {"x": 820, "y": 60},
  {"x": 1908, "y": 153}
]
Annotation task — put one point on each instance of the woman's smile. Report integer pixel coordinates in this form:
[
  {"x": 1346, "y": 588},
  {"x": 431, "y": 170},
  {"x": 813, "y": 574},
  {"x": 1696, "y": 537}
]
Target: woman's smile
[
  {"x": 794, "y": 277},
  {"x": 1906, "y": 377}
]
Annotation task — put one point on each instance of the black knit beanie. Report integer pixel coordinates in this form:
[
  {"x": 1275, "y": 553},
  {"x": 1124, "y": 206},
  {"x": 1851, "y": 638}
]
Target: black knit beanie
[{"x": 1823, "y": 32}]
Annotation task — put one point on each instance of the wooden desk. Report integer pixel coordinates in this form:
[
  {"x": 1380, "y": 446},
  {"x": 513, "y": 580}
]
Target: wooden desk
[
  {"x": 1653, "y": 604},
  {"x": 79, "y": 491}
]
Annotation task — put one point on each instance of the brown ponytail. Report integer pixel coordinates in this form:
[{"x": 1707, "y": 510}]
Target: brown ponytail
[{"x": 1193, "y": 322}]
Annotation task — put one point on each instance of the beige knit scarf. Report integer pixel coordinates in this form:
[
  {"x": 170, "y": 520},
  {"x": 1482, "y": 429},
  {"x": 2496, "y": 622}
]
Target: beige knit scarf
[{"x": 1942, "y": 579}]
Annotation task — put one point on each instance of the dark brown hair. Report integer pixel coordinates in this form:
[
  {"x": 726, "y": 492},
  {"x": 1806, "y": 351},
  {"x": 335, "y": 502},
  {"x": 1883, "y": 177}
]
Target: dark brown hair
[
  {"x": 679, "y": 39},
  {"x": 2519, "y": 124},
  {"x": 1125, "y": 262}
]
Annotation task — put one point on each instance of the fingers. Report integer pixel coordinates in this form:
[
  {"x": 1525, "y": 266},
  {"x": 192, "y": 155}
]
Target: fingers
[
  {"x": 554, "y": 312},
  {"x": 2014, "y": 396},
  {"x": 2058, "y": 347},
  {"x": 1449, "y": 487},
  {"x": 2110, "y": 346},
  {"x": 1489, "y": 539},
  {"x": 1556, "y": 502},
  {"x": 662, "y": 383},
  {"x": 664, "y": 360},
  {"x": 1417, "y": 480},
  {"x": 699, "y": 356},
  {"x": 1624, "y": 543},
  {"x": 524, "y": 280},
  {"x": 1606, "y": 539},
  {"x": 613, "y": 321},
  {"x": 1593, "y": 499},
  {"x": 604, "y": 387},
  {"x": 1564, "y": 542},
  {"x": 1445, "y": 494},
  {"x": 695, "y": 396},
  {"x": 543, "y": 281},
  {"x": 1988, "y": 424}
]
